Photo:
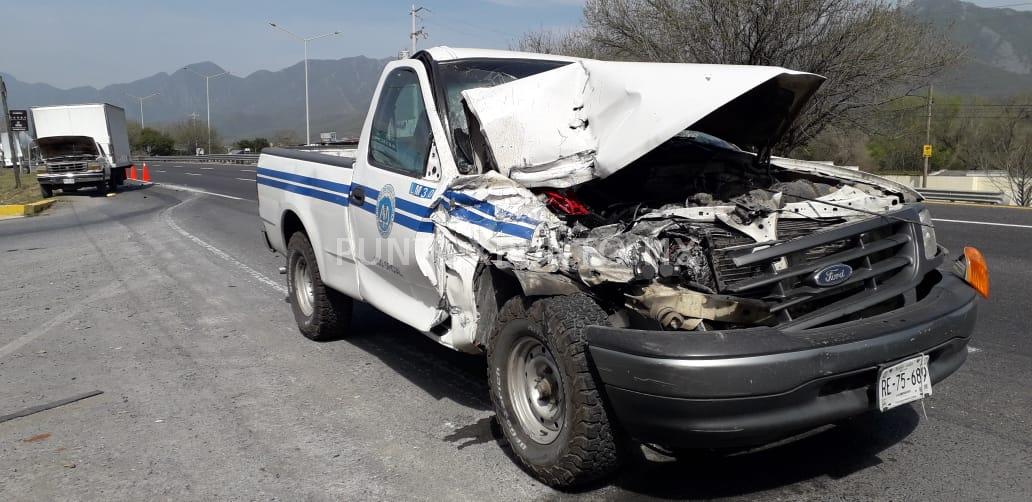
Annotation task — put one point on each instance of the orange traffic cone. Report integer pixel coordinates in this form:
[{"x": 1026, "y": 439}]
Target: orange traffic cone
[
  {"x": 132, "y": 172},
  {"x": 146, "y": 174}
]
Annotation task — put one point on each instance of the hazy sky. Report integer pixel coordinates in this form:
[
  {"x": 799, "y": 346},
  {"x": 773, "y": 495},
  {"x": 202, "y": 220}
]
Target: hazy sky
[{"x": 73, "y": 42}]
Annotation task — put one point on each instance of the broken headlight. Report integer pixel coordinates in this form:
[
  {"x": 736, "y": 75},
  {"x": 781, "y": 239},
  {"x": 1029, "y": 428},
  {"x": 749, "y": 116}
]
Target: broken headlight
[{"x": 931, "y": 246}]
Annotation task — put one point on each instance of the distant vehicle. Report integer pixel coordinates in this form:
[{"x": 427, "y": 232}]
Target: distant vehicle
[
  {"x": 630, "y": 272},
  {"x": 6, "y": 159},
  {"x": 80, "y": 146}
]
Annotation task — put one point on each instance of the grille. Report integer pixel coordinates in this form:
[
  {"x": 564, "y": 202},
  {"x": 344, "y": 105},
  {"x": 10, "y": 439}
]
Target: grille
[
  {"x": 68, "y": 167},
  {"x": 880, "y": 250}
]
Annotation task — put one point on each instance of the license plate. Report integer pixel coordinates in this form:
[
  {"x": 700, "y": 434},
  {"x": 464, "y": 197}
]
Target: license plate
[
  {"x": 904, "y": 382},
  {"x": 68, "y": 181}
]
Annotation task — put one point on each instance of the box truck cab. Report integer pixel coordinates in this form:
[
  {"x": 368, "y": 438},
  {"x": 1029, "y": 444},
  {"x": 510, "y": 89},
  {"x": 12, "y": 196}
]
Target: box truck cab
[{"x": 80, "y": 146}]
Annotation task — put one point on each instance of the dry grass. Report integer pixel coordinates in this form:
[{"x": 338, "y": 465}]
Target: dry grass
[{"x": 29, "y": 191}]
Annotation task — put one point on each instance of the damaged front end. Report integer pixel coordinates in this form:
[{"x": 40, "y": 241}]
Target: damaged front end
[{"x": 586, "y": 179}]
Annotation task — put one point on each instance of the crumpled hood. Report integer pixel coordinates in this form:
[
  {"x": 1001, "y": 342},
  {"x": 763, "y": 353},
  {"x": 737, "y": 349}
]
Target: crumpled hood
[{"x": 592, "y": 118}]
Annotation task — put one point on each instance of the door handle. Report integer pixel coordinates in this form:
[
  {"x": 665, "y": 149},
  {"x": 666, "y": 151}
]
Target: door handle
[{"x": 357, "y": 196}]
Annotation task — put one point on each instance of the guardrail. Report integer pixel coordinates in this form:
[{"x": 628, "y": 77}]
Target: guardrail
[
  {"x": 244, "y": 158},
  {"x": 962, "y": 195}
]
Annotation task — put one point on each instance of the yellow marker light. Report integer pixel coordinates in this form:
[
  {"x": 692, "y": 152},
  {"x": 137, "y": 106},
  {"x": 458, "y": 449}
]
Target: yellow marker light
[{"x": 976, "y": 272}]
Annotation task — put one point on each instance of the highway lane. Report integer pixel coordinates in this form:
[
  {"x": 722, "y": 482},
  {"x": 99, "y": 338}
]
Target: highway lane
[
  {"x": 218, "y": 396},
  {"x": 229, "y": 179}
]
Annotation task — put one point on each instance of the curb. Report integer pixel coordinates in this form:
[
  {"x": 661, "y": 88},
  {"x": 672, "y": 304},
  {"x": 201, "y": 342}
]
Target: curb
[{"x": 25, "y": 209}]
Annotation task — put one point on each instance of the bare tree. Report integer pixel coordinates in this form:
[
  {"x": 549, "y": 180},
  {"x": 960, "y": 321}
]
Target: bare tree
[
  {"x": 870, "y": 50},
  {"x": 1006, "y": 149}
]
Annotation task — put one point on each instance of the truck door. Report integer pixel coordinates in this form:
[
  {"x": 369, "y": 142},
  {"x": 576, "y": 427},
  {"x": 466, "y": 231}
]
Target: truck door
[{"x": 395, "y": 186}]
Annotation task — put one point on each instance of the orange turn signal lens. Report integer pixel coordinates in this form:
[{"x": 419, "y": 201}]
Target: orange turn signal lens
[{"x": 977, "y": 272}]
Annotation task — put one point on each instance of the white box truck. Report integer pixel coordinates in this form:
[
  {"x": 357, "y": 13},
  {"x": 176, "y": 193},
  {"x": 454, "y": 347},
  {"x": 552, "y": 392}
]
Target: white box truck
[
  {"x": 80, "y": 145},
  {"x": 6, "y": 157}
]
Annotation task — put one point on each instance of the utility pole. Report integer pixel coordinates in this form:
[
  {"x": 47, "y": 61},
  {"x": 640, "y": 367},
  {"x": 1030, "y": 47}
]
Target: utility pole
[
  {"x": 305, "y": 40},
  {"x": 421, "y": 32},
  {"x": 15, "y": 164},
  {"x": 141, "y": 100},
  {"x": 207, "y": 94},
  {"x": 928, "y": 140}
]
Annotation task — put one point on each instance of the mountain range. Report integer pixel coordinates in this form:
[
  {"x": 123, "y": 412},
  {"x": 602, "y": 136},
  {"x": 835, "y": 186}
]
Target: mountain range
[
  {"x": 997, "y": 43},
  {"x": 263, "y": 103}
]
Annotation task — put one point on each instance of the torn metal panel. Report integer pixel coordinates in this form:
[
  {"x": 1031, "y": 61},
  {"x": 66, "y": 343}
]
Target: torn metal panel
[
  {"x": 592, "y": 118},
  {"x": 503, "y": 218}
]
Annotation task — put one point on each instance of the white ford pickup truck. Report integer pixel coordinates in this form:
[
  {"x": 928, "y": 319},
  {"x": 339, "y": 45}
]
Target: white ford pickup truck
[{"x": 618, "y": 240}]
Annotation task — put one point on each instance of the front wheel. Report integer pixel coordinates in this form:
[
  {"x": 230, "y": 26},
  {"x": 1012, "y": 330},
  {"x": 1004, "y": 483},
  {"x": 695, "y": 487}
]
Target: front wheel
[
  {"x": 46, "y": 191},
  {"x": 546, "y": 399},
  {"x": 321, "y": 313}
]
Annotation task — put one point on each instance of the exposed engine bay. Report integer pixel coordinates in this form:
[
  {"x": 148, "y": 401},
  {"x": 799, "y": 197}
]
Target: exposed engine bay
[
  {"x": 579, "y": 178},
  {"x": 656, "y": 239}
]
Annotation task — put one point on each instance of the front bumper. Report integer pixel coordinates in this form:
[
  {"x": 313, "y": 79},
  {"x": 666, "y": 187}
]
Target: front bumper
[
  {"x": 751, "y": 386},
  {"x": 78, "y": 178}
]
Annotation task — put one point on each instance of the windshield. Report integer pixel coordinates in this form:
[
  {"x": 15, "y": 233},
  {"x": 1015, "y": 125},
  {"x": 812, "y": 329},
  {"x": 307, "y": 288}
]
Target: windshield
[
  {"x": 66, "y": 146},
  {"x": 457, "y": 76}
]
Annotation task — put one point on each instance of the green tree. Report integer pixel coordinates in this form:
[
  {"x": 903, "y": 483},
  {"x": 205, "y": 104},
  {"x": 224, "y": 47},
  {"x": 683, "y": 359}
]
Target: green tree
[
  {"x": 153, "y": 142},
  {"x": 192, "y": 134},
  {"x": 255, "y": 144}
]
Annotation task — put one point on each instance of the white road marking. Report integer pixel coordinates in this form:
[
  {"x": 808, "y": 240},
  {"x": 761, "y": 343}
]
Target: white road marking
[
  {"x": 207, "y": 168},
  {"x": 193, "y": 174},
  {"x": 167, "y": 216},
  {"x": 194, "y": 190},
  {"x": 983, "y": 223},
  {"x": 246, "y": 179},
  {"x": 158, "y": 170},
  {"x": 177, "y": 166},
  {"x": 247, "y": 170},
  {"x": 973, "y": 350}
]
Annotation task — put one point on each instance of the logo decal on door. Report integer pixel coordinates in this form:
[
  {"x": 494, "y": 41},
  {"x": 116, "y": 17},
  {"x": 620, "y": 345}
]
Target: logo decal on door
[{"x": 385, "y": 211}]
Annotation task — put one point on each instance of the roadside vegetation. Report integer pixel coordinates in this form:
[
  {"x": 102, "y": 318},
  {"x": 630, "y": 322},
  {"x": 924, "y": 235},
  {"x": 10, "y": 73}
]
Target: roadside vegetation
[
  {"x": 879, "y": 60},
  {"x": 27, "y": 193}
]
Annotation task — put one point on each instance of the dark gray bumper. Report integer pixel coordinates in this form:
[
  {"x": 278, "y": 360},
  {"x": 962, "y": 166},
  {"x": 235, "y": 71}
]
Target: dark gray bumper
[
  {"x": 738, "y": 387},
  {"x": 79, "y": 178}
]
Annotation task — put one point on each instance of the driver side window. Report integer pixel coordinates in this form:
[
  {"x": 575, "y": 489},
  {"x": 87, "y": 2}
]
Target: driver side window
[{"x": 400, "y": 137}]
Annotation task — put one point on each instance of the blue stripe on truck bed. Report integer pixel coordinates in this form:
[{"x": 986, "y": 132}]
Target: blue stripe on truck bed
[{"x": 305, "y": 180}]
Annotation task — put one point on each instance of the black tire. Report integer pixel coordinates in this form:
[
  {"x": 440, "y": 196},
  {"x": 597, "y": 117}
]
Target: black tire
[
  {"x": 326, "y": 314},
  {"x": 113, "y": 182},
  {"x": 46, "y": 191},
  {"x": 101, "y": 187},
  {"x": 584, "y": 450}
]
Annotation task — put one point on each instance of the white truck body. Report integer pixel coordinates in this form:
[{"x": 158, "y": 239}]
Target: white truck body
[
  {"x": 81, "y": 145},
  {"x": 5, "y": 150},
  {"x": 539, "y": 209},
  {"x": 103, "y": 122},
  {"x": 438, "y": 225}
]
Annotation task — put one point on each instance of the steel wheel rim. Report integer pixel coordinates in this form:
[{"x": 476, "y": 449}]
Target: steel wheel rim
[
  {"x": 303, "y": 291},
  {"x": 536, "y": 390}
]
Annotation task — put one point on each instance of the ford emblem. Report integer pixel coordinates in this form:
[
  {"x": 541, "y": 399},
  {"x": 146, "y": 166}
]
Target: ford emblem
[{"x": 832, "y": 275}]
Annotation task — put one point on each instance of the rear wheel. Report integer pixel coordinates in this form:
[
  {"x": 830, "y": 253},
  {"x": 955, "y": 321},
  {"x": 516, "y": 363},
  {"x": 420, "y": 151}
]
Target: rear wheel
[
  {"x": 321, "y": 313},
  {"x": 547, "y": 401}
]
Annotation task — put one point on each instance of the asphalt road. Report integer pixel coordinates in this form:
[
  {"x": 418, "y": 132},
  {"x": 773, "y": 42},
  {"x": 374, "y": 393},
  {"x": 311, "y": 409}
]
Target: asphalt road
[{"x": 165, "y": 299}]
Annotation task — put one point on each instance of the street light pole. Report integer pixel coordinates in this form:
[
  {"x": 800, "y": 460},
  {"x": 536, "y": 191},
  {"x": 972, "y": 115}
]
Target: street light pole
[
  {"x": 141, "y": 100},
  {"x": 207, "y": 96},
  {"x": 308, "y": 122}
]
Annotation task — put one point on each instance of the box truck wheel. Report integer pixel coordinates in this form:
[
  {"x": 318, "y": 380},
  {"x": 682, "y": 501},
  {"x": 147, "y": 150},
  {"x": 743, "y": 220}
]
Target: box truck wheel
[
  {"x": 546, "y": 399},
  {"x": 46, "y": 191},
  {"x": 321, "y": 313}
]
